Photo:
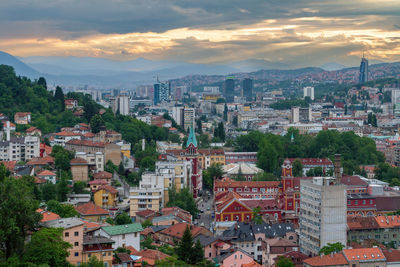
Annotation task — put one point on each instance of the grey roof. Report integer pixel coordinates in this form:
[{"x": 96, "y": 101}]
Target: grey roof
[
  {"x": 158, "y": 228},
  {"x": 65, "y": 223},
  {"x": 166, "y": 218},
  {"x": 89, "y": 240},
  {"x": 246, "y": 231},
  {"x": 205, "y": 240}
]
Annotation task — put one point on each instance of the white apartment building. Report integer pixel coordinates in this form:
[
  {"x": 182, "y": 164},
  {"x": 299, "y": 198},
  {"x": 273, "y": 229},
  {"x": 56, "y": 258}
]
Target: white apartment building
[
  {"x": 309, "y": 91},
  {"x": 323, "y": 210},
  {"x": 20, "y": 148},
  {"x": 123, "y": 105}
]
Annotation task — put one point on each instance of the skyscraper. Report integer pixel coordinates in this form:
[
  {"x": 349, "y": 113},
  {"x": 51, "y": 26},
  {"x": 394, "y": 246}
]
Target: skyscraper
[
  {"x": 363, "y": 70},
  {"x": 156, "y": 94},
  {"x": 248, "y": 89},
  {"x": 229, "y": 89},
  {"x": 162, "y": 92},
  {"x": 309, "y": 91}
]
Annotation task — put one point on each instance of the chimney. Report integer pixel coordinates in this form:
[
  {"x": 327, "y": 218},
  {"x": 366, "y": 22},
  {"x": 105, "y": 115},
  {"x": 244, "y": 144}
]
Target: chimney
[
  {"x": 337, "y": 168},
  {"x": 8, "y": 130}
]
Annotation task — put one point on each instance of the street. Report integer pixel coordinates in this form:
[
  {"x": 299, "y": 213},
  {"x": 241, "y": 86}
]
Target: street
[{"x": 207, "y": 207}]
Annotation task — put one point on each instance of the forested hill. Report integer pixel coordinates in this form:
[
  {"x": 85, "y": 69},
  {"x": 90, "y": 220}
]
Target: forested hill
[{"x": 20, "y": 94}]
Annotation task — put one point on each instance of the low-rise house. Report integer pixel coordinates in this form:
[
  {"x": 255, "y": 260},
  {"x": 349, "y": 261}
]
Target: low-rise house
[
  {"x": 212, "y": 246},
  {"x": 22, "y": 117},
  {"x": 103, "y": 175},
  {"x": 73, "y": 234},
  {"x": 98, "y": 246},
  {"x": 184, "y": 215},
  {"x": 150, "y": 256},
  {"x": 105, "y": 196},
  {"x": 95, "y": 160},
  {"x": 48, "y": 215},
  {"x": 173, "y": 234},
  {"x": 89, "y": 211},
  {"x": 78, "y": 198},
  {"x": 61, "y": 138},
  {"x": 123, "y": 235},
  {"x": 144, "y": 215},
  {"x": 123, "y": 260},
  {"x": 237, "y": 257},
  {"x": 70, "y": 103},
  {"x": 296, "y": 257},
  {"x": 79, "y": 170},
  {"x": 95, "y": 184},
  {"x": 33, "y": 131},
  {"x": 277, "y": 247},
  {"x": 392, "y": 257},
  {"x": 48, "y": 176}
]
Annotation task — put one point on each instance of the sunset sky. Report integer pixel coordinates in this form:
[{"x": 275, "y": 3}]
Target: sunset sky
[{"x": 298, "y": 32}]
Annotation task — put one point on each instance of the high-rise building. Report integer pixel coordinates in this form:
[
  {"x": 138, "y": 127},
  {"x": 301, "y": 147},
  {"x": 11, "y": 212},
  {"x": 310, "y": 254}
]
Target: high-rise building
[
  {"x": 323, "y": 209},
  {"x": 188, "y": 118},
  {"x": 363, "y": 70},
  {"x": 123, "y": 104},
  {"x": 229, "y": 89},
  {"x": 247, "y": 89},
  {"x": 295, "y": 115},
  {"x": 162, "y": 92},
  {"x": 309, "y": 91},
  {"x": 395, "y": 96}
]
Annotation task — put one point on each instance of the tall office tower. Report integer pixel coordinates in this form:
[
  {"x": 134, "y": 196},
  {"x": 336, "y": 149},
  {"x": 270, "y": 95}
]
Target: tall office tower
[
  {"x": 115, "y": 92},
  {"x": 323, "y": 209},
  {"x": 309, "y": 91},
  {"x": 247, "y": 89},
  {"x": 395, "y": 96},
  {"x": 123, "y": 104},
  {"x": 229, "y": 89},
  {"x": 363, "y": 70},
  {"x": 156, "y": 98}
]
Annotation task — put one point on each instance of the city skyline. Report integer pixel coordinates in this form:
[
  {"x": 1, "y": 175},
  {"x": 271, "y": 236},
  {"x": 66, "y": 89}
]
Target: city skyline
[{"x": 300, "y": 33}]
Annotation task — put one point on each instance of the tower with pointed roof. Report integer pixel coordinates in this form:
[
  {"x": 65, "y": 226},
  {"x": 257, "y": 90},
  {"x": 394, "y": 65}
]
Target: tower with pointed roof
[{"x": 192, "y": 156}]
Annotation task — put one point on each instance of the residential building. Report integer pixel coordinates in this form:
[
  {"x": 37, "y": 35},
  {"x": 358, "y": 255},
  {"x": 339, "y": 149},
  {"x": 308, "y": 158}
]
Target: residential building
[
  {"x": 110, "y": 151},
  {"x": 145, "y": 215},
  {"x": 277, "y": 247},
  {"x": 105, "y": 196},
  {"x": 70, "y": 103},
  {"x": 174, "y": 233},
  {"x": 236, "y": 257},
  {"x": 323, "y": 212},
  {"x": 62, "y": 138},
  {"x": 123, "y": 235},
  {"x": 79, "y": 169},
  {"x": 212, "y": 246},
  {"x": 295, "y": 118},
  {"x": 100, "y": 247},
  {"x": 22, "y": 118},
  {"x": 149, "y": 256},
  {"x": 20, "y": 148},
  {"x": 48, "y": 176},
  {"x": 148, "y": 195},
  {"x": 308, "y": 91},
  {"x": 104, "y": 175},
  {"x": 95, "y": 184},
  {"x": 77, "y": 199},
  {"x": 73, "y": 234},
  {"x": 89, "y": 211},
  {"x": 188, "y": 118},
  {"x": 33, "y": 131},
  {"x": 123, "y": 104},
  {"x": 48, "y": 215},
  {"x": 95, "y": 160}
]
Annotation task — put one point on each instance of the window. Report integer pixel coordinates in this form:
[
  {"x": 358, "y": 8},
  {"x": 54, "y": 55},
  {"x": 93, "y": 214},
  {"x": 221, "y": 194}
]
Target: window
[
  {"x": 239, "y": 190},
  {"x": 76, "y": 254},
  {"x": 66, "y": 234},
  {"x": 76, "y": 234},
  {"x": 364, "y": 202},
  {"x": 254, "y": 190},
  {"x": 123, "y": 236},
  {"x": 241, "y": 256},
  {"x": 135, "y": 234},
  {"x": 76, "y": 244},
  {"x": 235, "y": 257}
]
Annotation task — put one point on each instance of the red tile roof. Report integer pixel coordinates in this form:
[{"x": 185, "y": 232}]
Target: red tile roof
[
  {"x": 102, "y": 175},
  {"x": 358, "y": 222},
  {"x": 98, "y": 182},
  {"x": 178, "y": 212},
  {"x": 85, "y": 143},
  {"x": 251, "y": 264},
  {"x": 40, "y": 180},
  {"x": 151, "y": 256},
  {"x": 145, "y": 213},
  {"x": 47, "y": 173},
  {"x": 90, "y": 208},
  {"x": 388, "y": 221},
  {"x": 78, "y": 161},
  {"x": 41, "y": 161},
  {"x": 48, "y": 215},
  {"x": 67, "y": 134},
  {"x": 353, "y": 181},
  {"x": 9, "y": 164},
  {"x": 246, "y": 183},
  {"x": 32, "y": 129},
  {"x": 312, "y": 161},
  {"x": 392, "y": 255},
  {"x": 108, "y": 188},
  {"x": 363, "y": 254},
  {"x": 177, "y": 230},
  {"x": 327, "y": 260}
]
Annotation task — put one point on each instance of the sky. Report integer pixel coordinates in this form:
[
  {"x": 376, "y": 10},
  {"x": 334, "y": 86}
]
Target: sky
[{"x": 294, "y": 32}]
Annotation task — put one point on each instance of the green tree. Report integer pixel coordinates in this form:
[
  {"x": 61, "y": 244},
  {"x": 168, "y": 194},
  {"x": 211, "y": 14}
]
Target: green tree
[
  {"x": 48, "y": 191},
  {"x": 96, "y": 123},
  {"x": 147, "y": 243},
  {"x": 213, "y": 172},
  {"x": 184, "y": 249},
  {"x": 284, "y": 262},
  {"x": 331, "y": 248},
  {"x": 80, "y": 187},
  {"x": 297, "y": 168},
  {"x": 59, "y": 98},
  {"x": 257, "y": 219},
  {"x": 197, "y": 253},
  {"x": 182, "y": 199},
  {"x": 93, "y": 262},
  {"x": 47, "y": 247},
  {"x": 147, "y": 223},
  {"x": 122, "y": 218},
  {"x": 64, "y": 210},
  {"x": 62, "y": 190},
  {"x": 17, "y": 215}
]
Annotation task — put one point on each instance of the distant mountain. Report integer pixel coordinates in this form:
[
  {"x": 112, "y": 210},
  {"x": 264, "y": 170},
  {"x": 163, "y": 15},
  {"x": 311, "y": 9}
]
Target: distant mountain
[
  {"x": 257, "y": 64},
  {"x": 331, "y": 66},
  {"x": 20, "y": 68}
]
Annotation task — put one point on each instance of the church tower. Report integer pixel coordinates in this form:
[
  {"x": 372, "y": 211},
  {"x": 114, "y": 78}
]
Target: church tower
[{"x": 192, "y": 156}]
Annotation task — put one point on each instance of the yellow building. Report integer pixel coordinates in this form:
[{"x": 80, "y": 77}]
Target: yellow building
[
  {"x": 206, "y": 157},
  {"x": 105, "y": 196}
]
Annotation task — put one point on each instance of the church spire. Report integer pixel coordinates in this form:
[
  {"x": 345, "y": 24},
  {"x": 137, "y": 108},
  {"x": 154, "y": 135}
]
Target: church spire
[{"x": 192, "y": 138}]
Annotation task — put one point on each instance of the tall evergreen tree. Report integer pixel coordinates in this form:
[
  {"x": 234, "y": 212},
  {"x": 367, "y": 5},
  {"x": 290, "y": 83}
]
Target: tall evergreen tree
[{"x": 185, "y": 247}]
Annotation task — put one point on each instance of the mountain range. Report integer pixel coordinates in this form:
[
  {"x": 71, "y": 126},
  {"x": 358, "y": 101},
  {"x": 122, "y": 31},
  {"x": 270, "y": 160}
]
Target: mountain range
[{"x": 104, "y": 73}]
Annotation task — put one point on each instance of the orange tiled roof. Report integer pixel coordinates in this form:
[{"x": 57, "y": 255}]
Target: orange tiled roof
[
  {"x": 9, "y": 164},
  {"x": 78, "y": 161},
  {"x": 177, "y": 230},
  {"x": 46, "y": 173},
  {"x": 108, "y": 188},
  {"x": 41, "y": 161},
  {"x": 359, "y": 254},
  {"x": 48, "y": 215},
  {"x": 151, "y": 256},
  {"x": 102, "y": 175},
  {"x": 327, "y": 260},
  {"x": 32, "y": 129},
  {"x": 98, "y": 181},
  {"x": 90, "y": 208},
  {"x": 40, "y": 180},
  {"x": 90, "y": 225},
  {"x": 388, "y": 221},
  {"x": 251, "y": 264},
  {"x": 67, "y": 134},
  {"x": 85, "y": 143},
  {"x": 247, "y": 183}
]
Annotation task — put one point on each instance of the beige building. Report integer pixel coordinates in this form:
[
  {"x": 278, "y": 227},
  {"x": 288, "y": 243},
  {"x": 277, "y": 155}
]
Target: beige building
[
  {"x": 73, "y": 234},
  {"x": 79, "y": 170},
  {"x": 110, "y": 151},
  {"x": 94, "y": 160},
  {"x": 145, "y": 197}
]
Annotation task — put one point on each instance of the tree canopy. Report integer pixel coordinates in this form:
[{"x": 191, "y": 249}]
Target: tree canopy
[{"x": 182, "y": 199}]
